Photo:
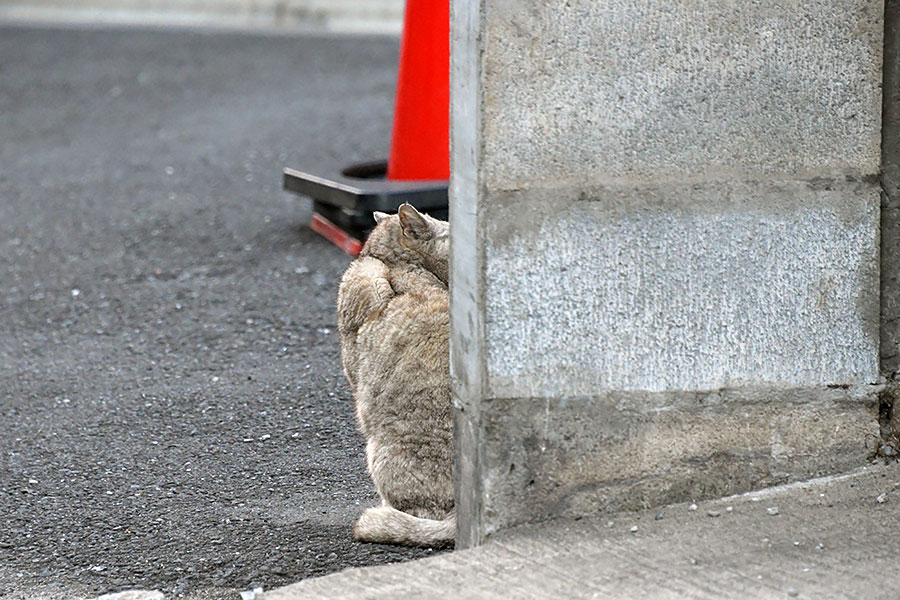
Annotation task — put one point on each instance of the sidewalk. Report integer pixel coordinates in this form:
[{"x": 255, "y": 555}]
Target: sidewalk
[{"x": 833, "y": 537}]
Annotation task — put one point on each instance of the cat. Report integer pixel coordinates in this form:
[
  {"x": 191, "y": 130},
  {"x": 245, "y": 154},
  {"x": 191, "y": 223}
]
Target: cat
[{"x": 394, "y": 325}]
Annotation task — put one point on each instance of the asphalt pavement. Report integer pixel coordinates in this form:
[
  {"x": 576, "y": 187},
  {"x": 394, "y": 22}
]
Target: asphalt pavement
[{"x": 173, "y": 415}]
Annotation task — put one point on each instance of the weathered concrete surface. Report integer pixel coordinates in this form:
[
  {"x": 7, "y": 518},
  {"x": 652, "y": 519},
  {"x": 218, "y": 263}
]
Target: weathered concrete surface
[
  {"x": 670, "y": 198},
  {"x": 599, "y": 91},
  {"x": 681, "y": 287},
  {"x": 579, "y": 456},
  {"x": 467, "y": 366},
  {"x": 827, "y": 540},
  {"x": 890, "y": 207}
]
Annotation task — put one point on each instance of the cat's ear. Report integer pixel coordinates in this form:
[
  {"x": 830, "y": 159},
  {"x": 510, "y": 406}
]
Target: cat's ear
[
  {"x": 413, "y": 223},
  {"x": 379, "y": 216}
]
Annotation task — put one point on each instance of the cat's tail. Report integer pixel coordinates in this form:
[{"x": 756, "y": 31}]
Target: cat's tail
[{"x": 387, "y": 525}]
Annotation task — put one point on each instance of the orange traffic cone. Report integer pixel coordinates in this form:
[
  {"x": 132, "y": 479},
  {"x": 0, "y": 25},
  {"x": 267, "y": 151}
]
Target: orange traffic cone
[
  {"x": 420, "y": 145},
  {"x": 419, "y": 164}
]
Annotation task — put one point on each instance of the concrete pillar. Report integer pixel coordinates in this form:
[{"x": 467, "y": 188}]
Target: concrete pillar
[
  {"x": 890, "y": 225},
  {"x": 666, "y": 250}
]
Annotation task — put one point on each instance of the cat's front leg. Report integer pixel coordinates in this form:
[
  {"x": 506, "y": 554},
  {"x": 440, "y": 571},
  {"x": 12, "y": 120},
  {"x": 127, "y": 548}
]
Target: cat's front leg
[{"x": 364, "y": 291}]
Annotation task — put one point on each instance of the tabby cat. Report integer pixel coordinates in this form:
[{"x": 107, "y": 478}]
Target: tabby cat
[{"x": 394, "y": 323}]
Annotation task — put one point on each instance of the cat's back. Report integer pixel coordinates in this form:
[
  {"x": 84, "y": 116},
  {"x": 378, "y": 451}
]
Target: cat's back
[
  {"x": 413, "y": 326},
  {"x": 404, "y": 371},
  {"x": 406, "y": 351}
]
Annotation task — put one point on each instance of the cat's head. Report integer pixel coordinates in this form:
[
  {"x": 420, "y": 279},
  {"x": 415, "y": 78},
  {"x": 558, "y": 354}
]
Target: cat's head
[{"x": 411, "y": 237}]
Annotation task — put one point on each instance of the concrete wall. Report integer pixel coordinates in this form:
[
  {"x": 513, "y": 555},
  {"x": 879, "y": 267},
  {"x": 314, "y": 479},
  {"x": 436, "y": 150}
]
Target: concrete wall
[
  {"x": 666, "y": 249},
  {"x": 379, "y": 16},
  {"x": 890, "y": 223}
]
